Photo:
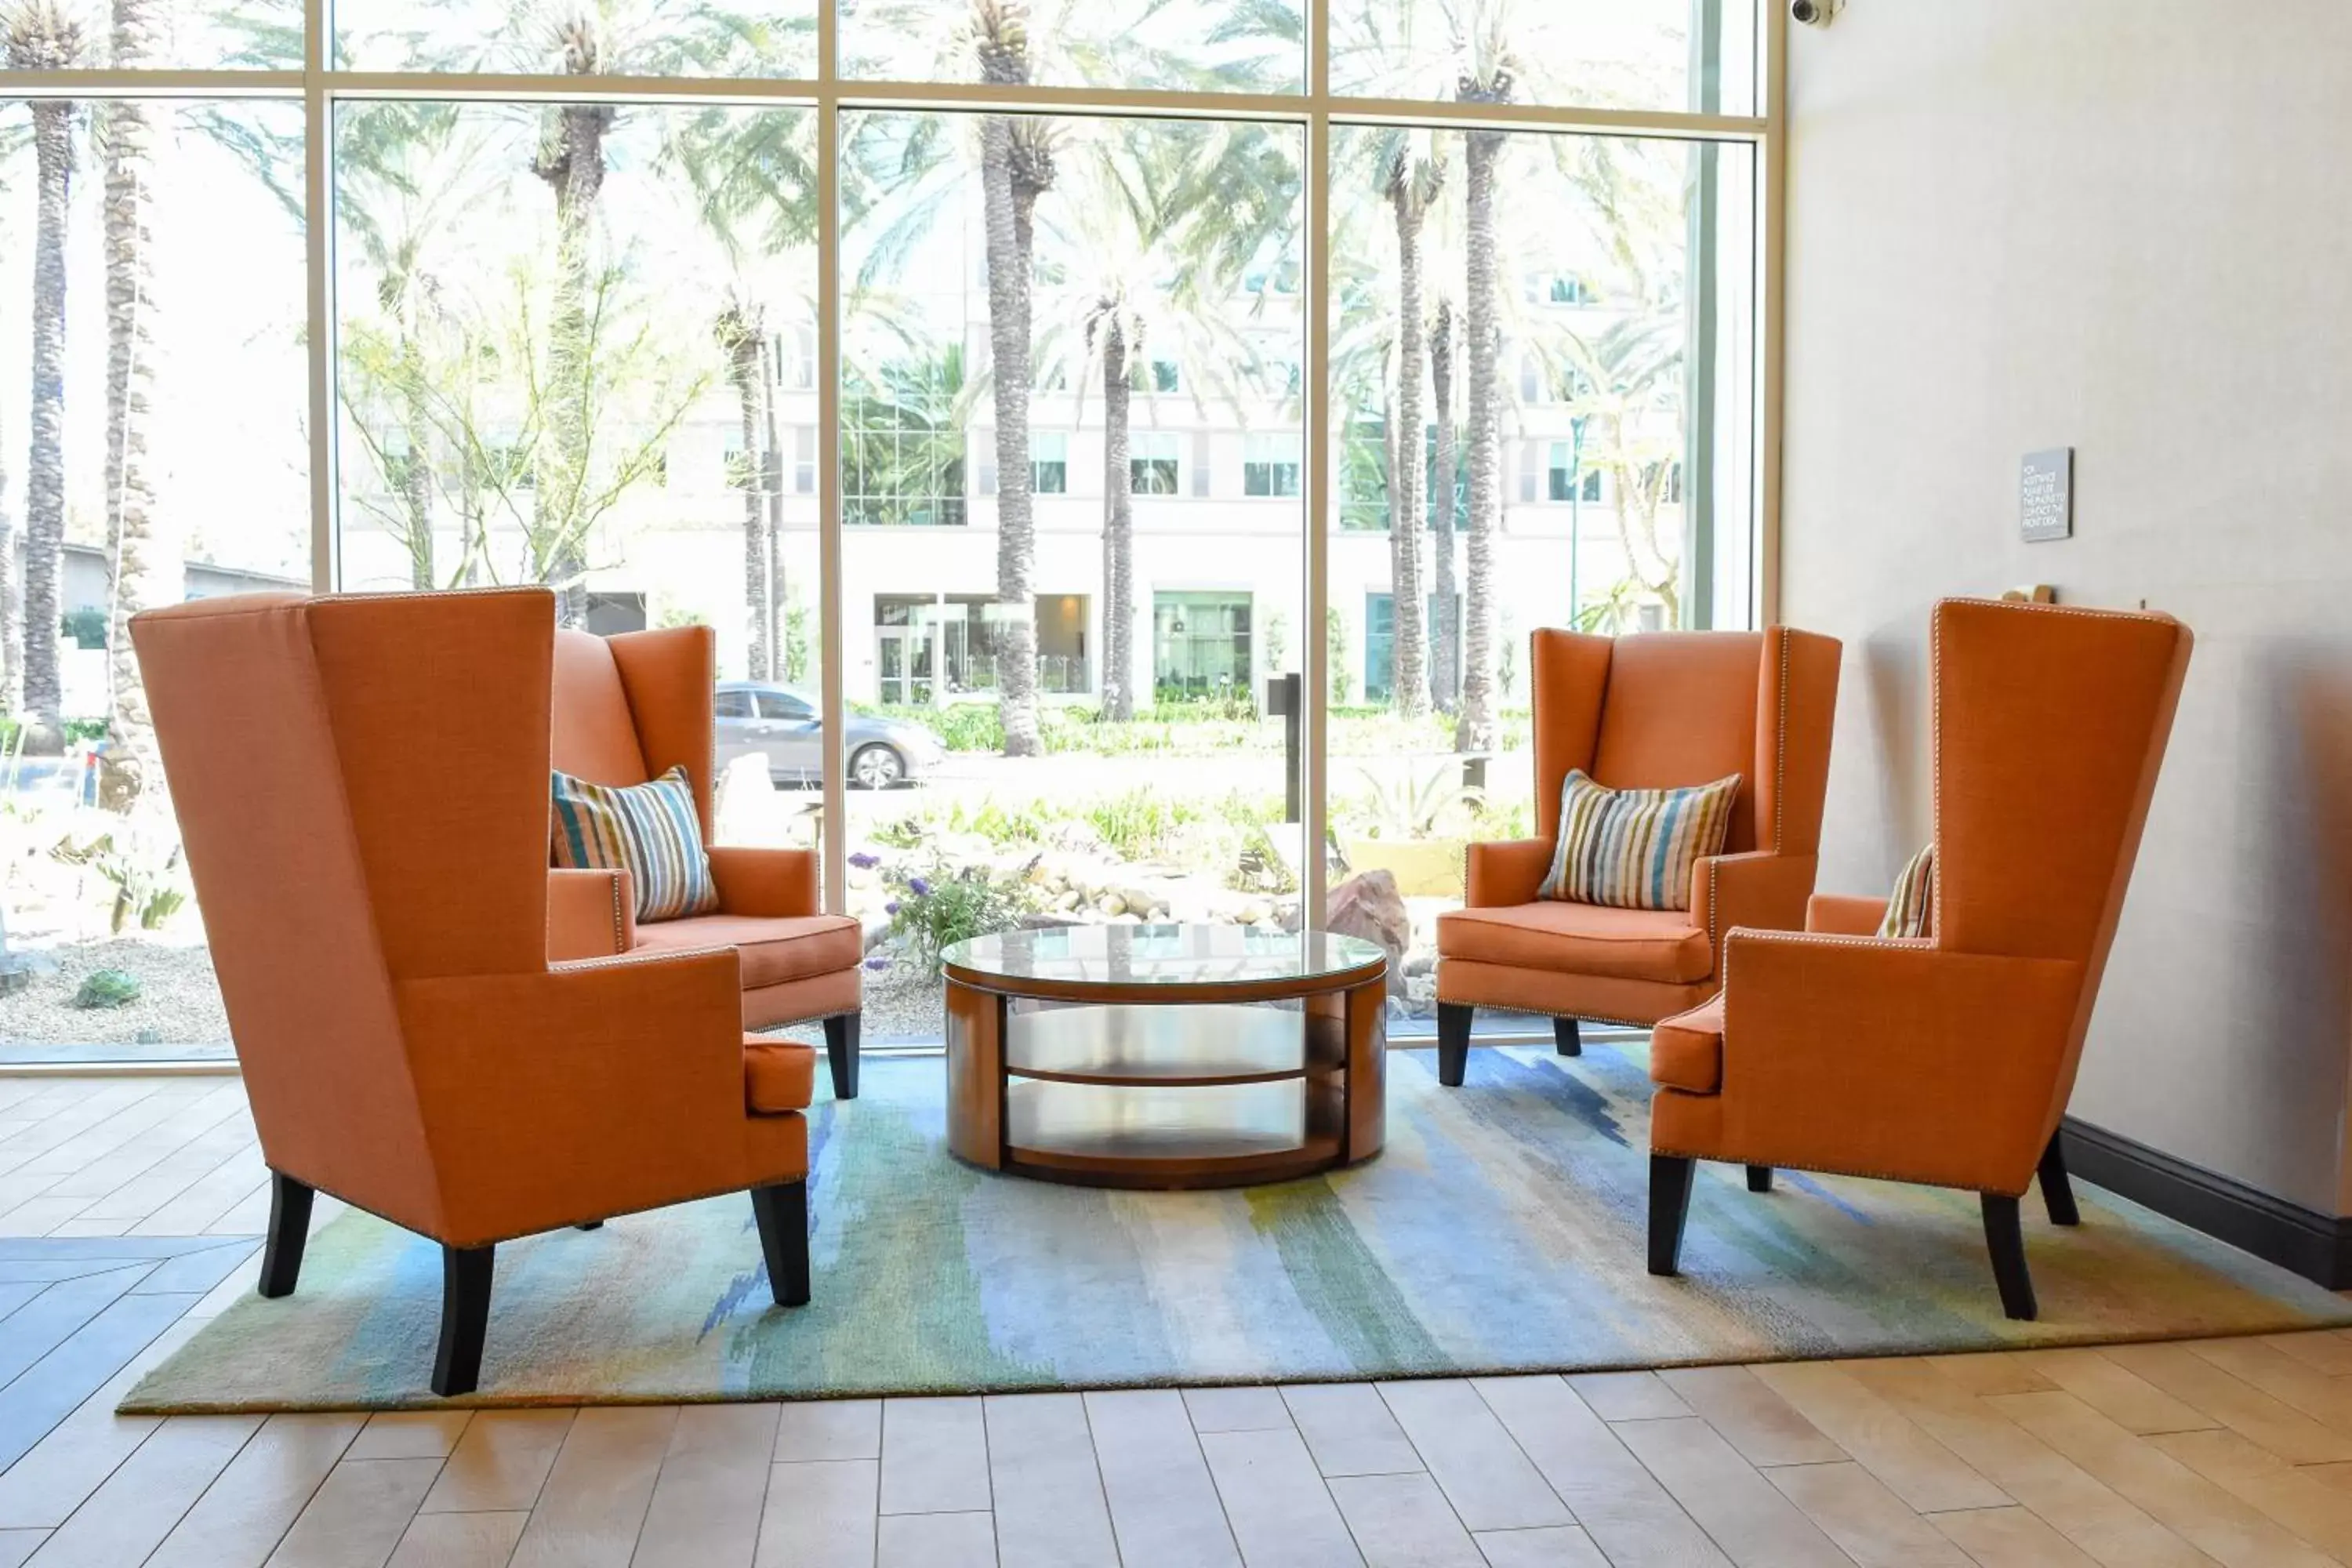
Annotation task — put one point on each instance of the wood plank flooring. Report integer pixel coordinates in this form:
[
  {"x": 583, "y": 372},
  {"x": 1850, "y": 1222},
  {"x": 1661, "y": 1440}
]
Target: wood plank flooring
[{"x": 129, "y": 1209}]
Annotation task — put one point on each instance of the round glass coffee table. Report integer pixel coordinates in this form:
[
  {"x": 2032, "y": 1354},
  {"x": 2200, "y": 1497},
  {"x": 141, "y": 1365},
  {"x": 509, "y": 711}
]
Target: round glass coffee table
[{"x": 1165, "y": 1056}]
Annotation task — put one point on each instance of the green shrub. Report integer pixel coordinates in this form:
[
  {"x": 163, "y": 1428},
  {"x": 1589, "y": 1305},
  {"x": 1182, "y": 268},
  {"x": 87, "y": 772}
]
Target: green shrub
[{"x": 107, "y": 988}]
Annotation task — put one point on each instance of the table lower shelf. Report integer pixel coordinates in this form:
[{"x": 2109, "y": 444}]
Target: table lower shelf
[{"x": 1161, "y": 1135}]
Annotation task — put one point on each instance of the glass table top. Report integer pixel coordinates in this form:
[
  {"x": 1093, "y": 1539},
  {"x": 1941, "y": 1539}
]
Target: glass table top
[{"x": 1161, "y": 955}]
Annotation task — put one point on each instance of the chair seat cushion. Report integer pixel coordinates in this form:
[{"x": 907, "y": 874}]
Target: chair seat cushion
[
  {"x": 1581, "y": 939},
  {"x": 778, "y": 1075},
  {"x": 1686, "y": 1050},
  {"x": 772, "y": 950}
]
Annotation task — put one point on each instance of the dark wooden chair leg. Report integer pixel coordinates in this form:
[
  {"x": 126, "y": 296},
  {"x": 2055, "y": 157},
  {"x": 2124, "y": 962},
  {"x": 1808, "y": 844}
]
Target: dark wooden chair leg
[
  {"x": 841, "y": 1048},
  {"x": 2057, "y": 1192},
  {"x": 1564, "y": 1038},
  {"x": 1759, "y": 1178},
  {"x": 465, "y": 1318},
  {"x": 290, "y": 1228},
  {"x": 2006, "y": 1238},
  {"x": 783, "y": 1214},
  {"x": 1453, "y": 1041},
  {"x": 1670, "y": 1193}
]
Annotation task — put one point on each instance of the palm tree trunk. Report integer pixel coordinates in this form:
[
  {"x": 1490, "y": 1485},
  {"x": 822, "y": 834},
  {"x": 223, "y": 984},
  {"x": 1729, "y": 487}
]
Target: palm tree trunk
[
  {"x": 1445, "y": 667},
  {"x": 416, "y": 476},
  {"x": 1474, "y": 728},
  {"x": 45, "y": 473},
  {"x": 1408, "y": 679},
  {"x": 148, "y": 570},
  {"x": 772, "y": 475},
  {"x": 12, "y": 611},
  {"x": 571, "y": 162},
  {"x": 739, "y": 335},
  {"x": 1118, "y": 531}
]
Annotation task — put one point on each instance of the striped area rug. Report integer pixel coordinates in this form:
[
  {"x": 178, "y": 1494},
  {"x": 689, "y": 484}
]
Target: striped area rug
[{"x": 1501, "y": 1231}]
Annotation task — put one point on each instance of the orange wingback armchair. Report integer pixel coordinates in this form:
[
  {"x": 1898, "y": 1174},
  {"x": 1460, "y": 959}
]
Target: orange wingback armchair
[
  {"x": 628, "y": 709},
  {"x": 1661, "y": 710},
  {"x": 1944, "y": 1059},
  {"x": 361, "y": 786}
]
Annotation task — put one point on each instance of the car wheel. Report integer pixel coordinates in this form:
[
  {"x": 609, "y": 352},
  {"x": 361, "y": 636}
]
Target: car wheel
[{"x": 876, "y": 767}]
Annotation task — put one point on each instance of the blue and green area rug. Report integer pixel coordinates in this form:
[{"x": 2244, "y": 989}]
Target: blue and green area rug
[{"x": 1502, "y": 1231}]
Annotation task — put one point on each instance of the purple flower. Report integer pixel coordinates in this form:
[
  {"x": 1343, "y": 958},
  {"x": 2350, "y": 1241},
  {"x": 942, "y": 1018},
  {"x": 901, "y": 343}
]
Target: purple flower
[
  {"x": 863, "y": 862},
  {"x": 877, "y": 964},
  {"x": 918, "y": 887},
  {"x": 891, "y": 908}
]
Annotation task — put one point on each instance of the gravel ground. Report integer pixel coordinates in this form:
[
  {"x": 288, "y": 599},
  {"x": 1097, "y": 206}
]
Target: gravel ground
[{"x": 179, "y": 1000}]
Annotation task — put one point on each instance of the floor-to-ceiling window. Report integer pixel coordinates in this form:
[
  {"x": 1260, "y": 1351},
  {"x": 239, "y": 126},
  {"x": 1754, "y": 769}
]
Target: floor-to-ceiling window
[{"x": 1023, "y": 391}]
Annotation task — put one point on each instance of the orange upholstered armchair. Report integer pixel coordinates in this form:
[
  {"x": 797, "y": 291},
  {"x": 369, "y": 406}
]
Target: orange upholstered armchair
[
  {"x": 1944, "y": 1059},
  {"x": 363, "y": 787},
  {"x": 1661, "y": 710},
  {"x": 628, "y": 709}
]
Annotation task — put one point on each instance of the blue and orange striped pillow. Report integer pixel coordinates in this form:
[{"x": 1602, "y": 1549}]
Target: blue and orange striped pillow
[
  {"x": 1634, "y": 848},
  {"x": 651, "y": 830}
]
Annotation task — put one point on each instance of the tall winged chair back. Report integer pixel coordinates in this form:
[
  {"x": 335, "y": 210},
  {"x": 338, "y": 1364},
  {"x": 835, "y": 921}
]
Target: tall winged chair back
[
  {"x": 628, "y": 709},
  {"x": 2051, "y": 727},
  {"x": 1656, "y": 711},
  {"x": 1946, "y": 1059},
  {"x": 361, "y": 785}
]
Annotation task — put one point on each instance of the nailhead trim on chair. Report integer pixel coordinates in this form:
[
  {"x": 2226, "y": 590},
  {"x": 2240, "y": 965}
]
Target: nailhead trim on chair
[
  {"x": 620, "y": 926},
  {"x": 1779, "y": 800}
]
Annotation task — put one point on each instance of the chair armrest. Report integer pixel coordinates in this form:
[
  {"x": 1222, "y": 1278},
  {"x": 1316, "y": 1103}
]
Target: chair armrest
[
  {"x": 590, "y": 1090},
  {"x": 1759, "y": 889},
  {"x": 766, "y": 883},
  {"x": 1844, "y": 914},
  {"x": 1504, "y": 872},
  {"x": 1893, "y": 1057},
  {"x": 590, "y": 914}
]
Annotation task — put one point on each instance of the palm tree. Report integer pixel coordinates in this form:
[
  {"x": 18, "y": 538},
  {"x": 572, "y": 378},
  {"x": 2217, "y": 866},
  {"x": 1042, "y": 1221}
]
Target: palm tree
[
  {"x": 1415, "y": 170},
  {"x": 741, "y": 330},
  {"x": 41, "y": 36},
  {"x": 1446, "y": 665},
  {"x": 753, "y": 181},
  {"x": 1486, "y": 78},
  {"x": 1143, "y": 257},
  {"x": 12, "y": 611},
  {"x": 570, "y": 160},
  {"x": 146, "y": 558},
  {"x": 1016, "y": 167},
  {"x": 1627, "y": 374}
]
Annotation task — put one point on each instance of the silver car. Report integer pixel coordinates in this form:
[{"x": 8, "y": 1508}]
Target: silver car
[{"x": 784, "y": 726}]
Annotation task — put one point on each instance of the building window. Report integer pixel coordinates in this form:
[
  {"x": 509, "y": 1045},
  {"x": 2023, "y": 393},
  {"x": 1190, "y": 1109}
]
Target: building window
[
  {"x": 795, "y": 353},
  {"x": 1152, "y": 462},
  {"x": 805, "y": 460},
  {"x": 1158, "y": 375},
  {"x": 1201, "y": 645},
  {"x": 1270, "y": 465},
  {"x": 1364, "y": 475},
  {"x": 1049, "y": 462},
  {"x": 902, "y": 450},
  {"x": 1571, "y": 479}
]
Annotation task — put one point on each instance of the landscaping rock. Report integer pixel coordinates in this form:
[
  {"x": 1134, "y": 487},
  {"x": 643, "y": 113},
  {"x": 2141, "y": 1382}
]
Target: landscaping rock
[{"x": 1368, "y": 905}]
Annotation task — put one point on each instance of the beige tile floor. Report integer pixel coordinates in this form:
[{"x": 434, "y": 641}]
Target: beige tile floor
[{"x": 2234, "y": 1452}]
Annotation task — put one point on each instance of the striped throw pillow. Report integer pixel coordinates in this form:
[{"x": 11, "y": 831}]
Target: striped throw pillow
[
  {"x": 1911, "y": 909},
  {"x": 1634, "y": 848},
  {"x": 649, "y": 829}
]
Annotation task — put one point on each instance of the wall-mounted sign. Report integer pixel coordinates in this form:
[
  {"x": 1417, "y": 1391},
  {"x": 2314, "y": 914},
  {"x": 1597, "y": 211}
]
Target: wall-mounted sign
[{"x": 2045, "y": 494}]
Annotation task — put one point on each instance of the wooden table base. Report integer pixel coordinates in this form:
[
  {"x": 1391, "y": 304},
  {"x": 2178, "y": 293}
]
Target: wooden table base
[{"x": 1167, "y": 1094}]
